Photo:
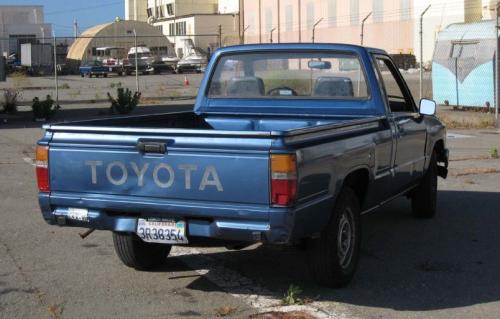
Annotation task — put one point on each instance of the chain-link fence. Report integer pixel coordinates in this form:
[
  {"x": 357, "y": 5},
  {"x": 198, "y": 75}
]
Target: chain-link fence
[{"x": 458, "y": 61}]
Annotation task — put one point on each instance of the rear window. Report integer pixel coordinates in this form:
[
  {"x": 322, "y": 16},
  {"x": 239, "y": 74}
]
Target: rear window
[{"x": 291, "y": 75}]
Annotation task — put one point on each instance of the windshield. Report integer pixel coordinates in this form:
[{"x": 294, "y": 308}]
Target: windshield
[{"x": 289, "y": 75}]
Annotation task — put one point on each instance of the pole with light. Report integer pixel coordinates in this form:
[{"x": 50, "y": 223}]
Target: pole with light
[
  {"x": 422, "y": 50},
  {"x": 314, "y": 28},
  {"x": 271, "y": 36},
  {"x": 136, "y": 64},
  {"x": 56, "y": 79},
  {"x": 363, "y": 27}
]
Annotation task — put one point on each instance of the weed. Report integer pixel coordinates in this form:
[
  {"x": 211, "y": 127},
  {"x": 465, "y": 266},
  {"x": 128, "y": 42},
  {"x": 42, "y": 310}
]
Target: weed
[
  {"x": 11, "y": 97},
  {"x": 494, "y": 152},
  {"x": 292, "y": 296},
  {"x": 282, "y": 315},
  {"x": 44, "y": 109},
  {"x": 125, "y": 102}
]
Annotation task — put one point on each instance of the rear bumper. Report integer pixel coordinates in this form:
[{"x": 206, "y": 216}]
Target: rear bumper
[{"x": 231, "y": 222}]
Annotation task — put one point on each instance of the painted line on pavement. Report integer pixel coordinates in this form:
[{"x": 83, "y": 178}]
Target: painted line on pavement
[
  {"x": 245, "y": 289},
  {"x": 29, "y": 161}
]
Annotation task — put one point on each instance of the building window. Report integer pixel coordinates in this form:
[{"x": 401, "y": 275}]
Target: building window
[
  {"x": 289, "y": 18},
  {"x": 378, "y": 10},
  {"x": 170, "y": 9},
  {"x": 160, "y": 12},
  {"x": 354, "y": 13},
  {"x": 310, "y": 15},
  {"x": 180, "y": 28},
  {"x": 171, "y": 29},
  {"x": 269, "y": 19},
  {"x": 405, "y": 9},
  {"x": 332, "y": 13},
  {"x": 149, "y": 12}
]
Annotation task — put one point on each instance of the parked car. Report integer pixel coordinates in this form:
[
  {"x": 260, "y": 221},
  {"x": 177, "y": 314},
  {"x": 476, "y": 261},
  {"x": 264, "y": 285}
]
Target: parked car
[
  {"x": 93, "y": 68},
  {"x": 194, "y": 62},
  {"x": 289, "y": 160}
]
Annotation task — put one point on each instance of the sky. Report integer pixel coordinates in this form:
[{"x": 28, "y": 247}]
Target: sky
[{"x": 87, "y": 12}]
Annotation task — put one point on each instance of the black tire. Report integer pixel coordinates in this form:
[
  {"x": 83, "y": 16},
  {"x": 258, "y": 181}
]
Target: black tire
[
  {"x": 105, "y": 75},
  {"x": 333, "y": 257},
  {"x": 424, "y": 196},
  {"x": 82, "y": 75},
  {"x": 136, "y": 253}
]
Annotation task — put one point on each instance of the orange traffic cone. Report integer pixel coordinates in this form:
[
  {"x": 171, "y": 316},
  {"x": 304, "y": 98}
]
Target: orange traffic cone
[{"x": 186, "y": 81}]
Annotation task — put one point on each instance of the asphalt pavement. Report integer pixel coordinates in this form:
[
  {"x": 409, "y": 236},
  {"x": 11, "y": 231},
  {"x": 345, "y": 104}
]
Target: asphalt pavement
[{"x": 446, "y": 267}]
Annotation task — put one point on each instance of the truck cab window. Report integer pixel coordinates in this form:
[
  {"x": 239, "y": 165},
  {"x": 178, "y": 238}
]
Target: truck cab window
[{"x": 397, "y": 94}]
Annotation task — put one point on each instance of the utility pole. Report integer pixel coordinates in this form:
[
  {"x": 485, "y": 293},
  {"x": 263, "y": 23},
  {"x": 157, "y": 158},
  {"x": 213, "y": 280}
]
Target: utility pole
[
  {"x": 271, "y": 31},
  {"x": 363, "y": 27},
  {"x": 422, "y": 50},
  {"x": 136, "y": 63},
  {"x": 75, "y": 28},
  {"x": 220, "y": 35},
  {"x": 314, "y": 28},
  {"x": 56, "y": 79},
  {"x": 243, "y": 34}
]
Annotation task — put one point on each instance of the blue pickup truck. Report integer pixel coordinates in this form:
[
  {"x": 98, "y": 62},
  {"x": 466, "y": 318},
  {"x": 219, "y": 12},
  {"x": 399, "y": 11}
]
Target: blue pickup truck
[
  {"x": 93, "y": 68},
  {"x": 287, "y": 144}
]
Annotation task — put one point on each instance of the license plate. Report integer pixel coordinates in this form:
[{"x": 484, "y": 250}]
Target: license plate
[{"x": 162, "y": 231}]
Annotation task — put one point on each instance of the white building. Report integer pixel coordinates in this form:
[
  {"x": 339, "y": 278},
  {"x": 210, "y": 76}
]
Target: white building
[
  {"x": 20, "y": 24},
  {"x": 191, "y": 23}
]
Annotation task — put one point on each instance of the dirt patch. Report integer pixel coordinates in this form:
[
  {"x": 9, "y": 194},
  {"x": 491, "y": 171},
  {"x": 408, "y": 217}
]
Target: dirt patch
[
  {"x": 466, "y": 119},
  {"x": 475, "y": 171}
]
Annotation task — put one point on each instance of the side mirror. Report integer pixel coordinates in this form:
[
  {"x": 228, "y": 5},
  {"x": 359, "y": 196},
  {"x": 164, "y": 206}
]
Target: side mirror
[{"x": 427, "y": 107}]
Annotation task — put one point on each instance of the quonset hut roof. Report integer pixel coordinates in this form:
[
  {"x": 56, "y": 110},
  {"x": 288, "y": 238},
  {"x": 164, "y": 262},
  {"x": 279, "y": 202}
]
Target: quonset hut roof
[{"x": 117, "y": 34}]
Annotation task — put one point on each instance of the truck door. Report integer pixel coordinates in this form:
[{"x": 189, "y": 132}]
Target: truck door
[{"x": 411, "y": 133}]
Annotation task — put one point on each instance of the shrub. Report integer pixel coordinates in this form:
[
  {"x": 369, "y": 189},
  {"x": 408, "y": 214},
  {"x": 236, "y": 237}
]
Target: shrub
[
  {"x": 125, "y": 102},
  {"x": 11, "y": 97},
  {"x": 44, "y": 109}
]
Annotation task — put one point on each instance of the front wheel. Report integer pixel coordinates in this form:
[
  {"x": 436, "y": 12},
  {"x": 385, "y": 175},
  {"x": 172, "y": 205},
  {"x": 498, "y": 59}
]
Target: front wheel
[
  {"x": 138, "y": 254},
  {"x": 424, "y": 196},
  {"x": 333, "y": 257}
]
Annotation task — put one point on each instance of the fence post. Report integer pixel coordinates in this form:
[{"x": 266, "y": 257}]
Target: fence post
[
  {"x": 314, "y": 28},
  {"x": 56, "y": 80},
  {"x": 136, "y": 64},
  {"x": 220, "y": 35},
  {"x": 422, "y": 51},
  {"x": 363, "y": 27},
  {"x": 497, "y": 75}
]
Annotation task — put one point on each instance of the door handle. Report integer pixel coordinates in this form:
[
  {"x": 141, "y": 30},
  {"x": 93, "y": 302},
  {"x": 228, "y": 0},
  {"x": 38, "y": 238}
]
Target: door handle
[{"x": 152, "y": 147}]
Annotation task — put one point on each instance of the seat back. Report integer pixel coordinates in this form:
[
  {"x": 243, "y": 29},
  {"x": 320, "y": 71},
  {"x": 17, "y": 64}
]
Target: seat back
[
  {"x": 245, "y": 86},
  {"x": 333, "y": 86}
]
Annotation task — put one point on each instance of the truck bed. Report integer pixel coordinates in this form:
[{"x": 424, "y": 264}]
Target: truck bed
[{"x": 189, "y": 123}]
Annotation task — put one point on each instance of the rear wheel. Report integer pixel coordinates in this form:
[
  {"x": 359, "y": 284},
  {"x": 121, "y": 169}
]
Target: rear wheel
[
  {"x": 424, "y": 196},
  {"x": 333, "y": 256},
  {"x": 136, "y": 253}
]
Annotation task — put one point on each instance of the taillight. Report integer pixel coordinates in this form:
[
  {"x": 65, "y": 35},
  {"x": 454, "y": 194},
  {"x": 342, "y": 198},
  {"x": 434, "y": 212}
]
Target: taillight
[
  {"x": 283, "y": 179},
  {"x": 42, "y": 168}
]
